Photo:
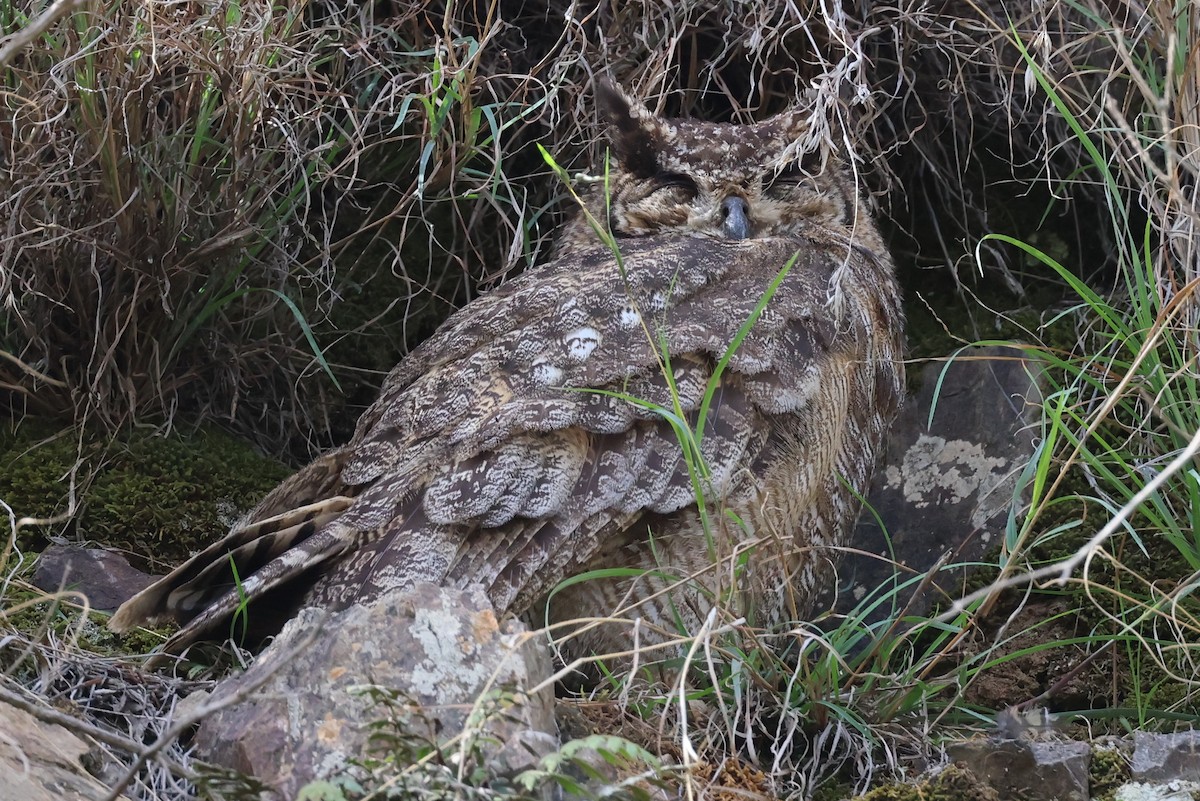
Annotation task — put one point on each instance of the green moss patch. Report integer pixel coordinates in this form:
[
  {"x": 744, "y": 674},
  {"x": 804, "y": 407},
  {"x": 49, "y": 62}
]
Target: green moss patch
[
  {"x": 157, "y": 498},
  {"x": 1107, "y": 772},
  {"x": 951, "y": 784}
]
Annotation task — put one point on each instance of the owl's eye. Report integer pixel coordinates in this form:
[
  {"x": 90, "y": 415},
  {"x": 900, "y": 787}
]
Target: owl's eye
[
  {"x": 676, "y": 181},
  {"x": 807, "y": 167}
]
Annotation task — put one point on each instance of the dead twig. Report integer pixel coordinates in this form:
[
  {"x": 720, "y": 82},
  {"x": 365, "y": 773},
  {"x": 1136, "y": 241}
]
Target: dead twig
[
  {"x": 54, "y": 717},
  {"x": 18, "y": 41}
]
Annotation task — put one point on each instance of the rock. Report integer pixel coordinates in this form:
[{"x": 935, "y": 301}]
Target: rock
[
  {"x": 1032, "y": 771},
  {"x": 1171, "y": 791},
  {"x": 105, "y": 577},
  {"x": 1166, "y": 757},
  {"x": 433, "y": 652},
  {"x": 944, "y": 487},
  {"x": 42, "y": 761}
]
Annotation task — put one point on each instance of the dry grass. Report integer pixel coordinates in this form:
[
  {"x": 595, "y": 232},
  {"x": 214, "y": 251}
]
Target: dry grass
[
  {"x": 191, "y": 193},
  {"x": 241, "y": 213}
]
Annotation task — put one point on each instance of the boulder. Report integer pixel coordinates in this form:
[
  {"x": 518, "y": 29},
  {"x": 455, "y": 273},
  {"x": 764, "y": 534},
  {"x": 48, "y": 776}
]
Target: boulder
[
  {"x": 1165, "y": 757},
  {"x": 43, "y": 761},
  {"x": 944, "y": 485},
  {"x": 1031, "y": 771},
  {"x": 424, "y": 664},
  {"x": 105, "y": 577}
]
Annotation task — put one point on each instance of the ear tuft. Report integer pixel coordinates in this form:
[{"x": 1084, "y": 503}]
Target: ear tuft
[
  {"x": 633, "y": 131},
  {"x": 786, "y": 127}
]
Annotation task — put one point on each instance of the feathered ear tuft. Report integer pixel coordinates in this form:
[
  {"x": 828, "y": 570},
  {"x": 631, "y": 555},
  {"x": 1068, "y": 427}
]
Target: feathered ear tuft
[
  {"x": 787, "y": 126},
  {"x": 802, "y": 135},
  {"x": 796, "y": 123},
  {"x": 633, "y": 131}
]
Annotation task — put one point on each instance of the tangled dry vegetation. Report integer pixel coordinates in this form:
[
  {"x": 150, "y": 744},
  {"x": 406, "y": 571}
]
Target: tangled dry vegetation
[
  {"x": 244, "y": 212},
  {"x": 241, "y": 211}
]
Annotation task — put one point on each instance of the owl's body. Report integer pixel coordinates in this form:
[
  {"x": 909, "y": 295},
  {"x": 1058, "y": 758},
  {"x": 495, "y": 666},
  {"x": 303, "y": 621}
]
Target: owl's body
[{"x": 537, "y": 435}]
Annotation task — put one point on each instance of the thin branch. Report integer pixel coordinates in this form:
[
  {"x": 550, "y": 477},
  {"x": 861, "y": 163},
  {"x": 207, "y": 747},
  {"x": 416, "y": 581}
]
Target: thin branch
[
  {"x": 54, "y": 717},
  {"x": 54, "y": 382},
  {"x": 25, "y": 36}
]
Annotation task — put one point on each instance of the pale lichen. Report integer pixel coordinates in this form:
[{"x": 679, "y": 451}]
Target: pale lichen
[{"x": 937, "y": 471}]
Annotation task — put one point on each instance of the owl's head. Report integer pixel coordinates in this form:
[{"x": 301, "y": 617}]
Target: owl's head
[{"x": 716, "y": 179}]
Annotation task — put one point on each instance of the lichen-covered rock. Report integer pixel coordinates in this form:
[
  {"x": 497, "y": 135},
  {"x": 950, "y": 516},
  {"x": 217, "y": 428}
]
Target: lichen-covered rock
[
  {"x": 422, "y": 665},
  {"x": 945, "y": 486},
  {"x": 1021, "y": 770},
  {"x": 1167, "y": 791}
]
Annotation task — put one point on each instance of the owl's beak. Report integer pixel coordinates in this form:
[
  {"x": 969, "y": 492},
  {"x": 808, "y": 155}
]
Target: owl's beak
[{"x": 736, "y": 224}]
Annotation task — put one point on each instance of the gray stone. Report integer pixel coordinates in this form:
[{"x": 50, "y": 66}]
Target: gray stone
[
  {"x": 439, "y": 653},
  {"x": 1170, "y": 791},
  {"x": 944, "y": 487},
  {"x": 105, "y": 577},
  {"x": 1165, "y": 757},
  {"x": 42, "y": 761},
  {"x": 1032, "y": 771}
]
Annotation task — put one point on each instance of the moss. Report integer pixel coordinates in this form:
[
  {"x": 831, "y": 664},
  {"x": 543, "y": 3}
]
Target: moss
[
  {"x": 164, "y": 493},
  {"x": 36, "y": 465},
  {"x": 156, "y": 497},
  {"x": 892, "y": 792},
  {"x": 1107, "y": 771},
  {"x": 832, "y": 791},
  {"x": 39, "y": 618},
  {"x": 953, "y": 783}
]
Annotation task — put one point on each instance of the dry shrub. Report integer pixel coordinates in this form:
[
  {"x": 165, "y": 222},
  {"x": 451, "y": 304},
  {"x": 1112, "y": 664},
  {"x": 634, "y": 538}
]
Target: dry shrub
[
  {"x": 187, "y": 189},
  {"x": 216, "y": 207}
]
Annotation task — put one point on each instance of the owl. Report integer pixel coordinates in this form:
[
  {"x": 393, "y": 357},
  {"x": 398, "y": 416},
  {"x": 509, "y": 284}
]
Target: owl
[{"x": 677, "y": 413}]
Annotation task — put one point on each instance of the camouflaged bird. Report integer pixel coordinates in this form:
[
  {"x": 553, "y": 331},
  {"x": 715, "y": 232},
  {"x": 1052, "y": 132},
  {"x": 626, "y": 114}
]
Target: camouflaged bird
[{"x": 534, "y": 436}]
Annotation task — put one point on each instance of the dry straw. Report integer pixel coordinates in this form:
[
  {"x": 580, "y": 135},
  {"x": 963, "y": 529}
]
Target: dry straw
[{"x": 240, "y": 211}]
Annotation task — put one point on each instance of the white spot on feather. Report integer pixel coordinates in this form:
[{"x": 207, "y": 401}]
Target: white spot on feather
[
  {"x": 546, "y": 373},
  {"x": 628, "y": 317},
  {"x": 581, "y": 342}
]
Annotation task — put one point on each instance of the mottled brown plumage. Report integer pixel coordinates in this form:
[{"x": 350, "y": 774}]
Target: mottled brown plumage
[{"x": 531, "y": 438}]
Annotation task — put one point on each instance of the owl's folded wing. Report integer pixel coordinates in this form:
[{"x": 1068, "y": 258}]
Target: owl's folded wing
[{"x": 534, "y": 424}]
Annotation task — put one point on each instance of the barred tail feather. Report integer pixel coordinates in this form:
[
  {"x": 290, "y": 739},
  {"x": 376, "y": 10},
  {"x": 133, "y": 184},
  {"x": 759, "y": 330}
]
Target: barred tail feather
[
  {"x": 303, "y": 559},
  {"x": 182, "y": 593}
]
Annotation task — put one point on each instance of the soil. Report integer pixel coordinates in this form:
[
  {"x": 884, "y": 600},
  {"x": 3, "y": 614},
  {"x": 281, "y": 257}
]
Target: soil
[{"x": 1024, "y": 673}]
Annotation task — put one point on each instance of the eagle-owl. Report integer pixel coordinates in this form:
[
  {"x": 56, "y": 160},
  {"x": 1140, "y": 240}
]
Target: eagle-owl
[{"x": 569, "y": 421}]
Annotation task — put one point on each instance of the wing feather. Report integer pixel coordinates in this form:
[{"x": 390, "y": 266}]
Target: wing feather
[{"x": 529, "y": 431}]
